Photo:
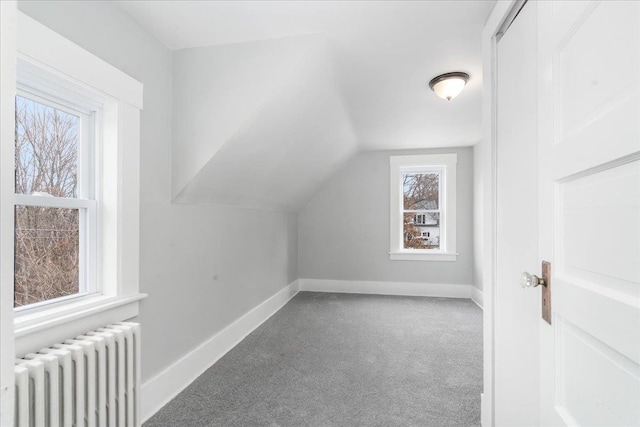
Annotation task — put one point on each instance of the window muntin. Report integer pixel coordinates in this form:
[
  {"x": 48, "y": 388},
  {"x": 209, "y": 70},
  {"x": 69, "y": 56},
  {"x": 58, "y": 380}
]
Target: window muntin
[{"x": 55, "y": 198}]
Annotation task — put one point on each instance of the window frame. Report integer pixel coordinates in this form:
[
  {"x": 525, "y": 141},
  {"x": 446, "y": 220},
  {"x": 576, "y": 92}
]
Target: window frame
[
  {"x": 37, "y": 87},
  {"x": 50, "y": 61},
  {"x": 445, "y": 164}
]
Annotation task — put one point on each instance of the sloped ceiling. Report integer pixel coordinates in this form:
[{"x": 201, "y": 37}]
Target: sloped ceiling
[
  {"x": 271, "y": 97},
  {"x": 258, "y": 124}
]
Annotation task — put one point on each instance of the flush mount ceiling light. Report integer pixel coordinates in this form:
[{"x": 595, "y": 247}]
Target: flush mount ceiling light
[{"x": 449, "y": 85}]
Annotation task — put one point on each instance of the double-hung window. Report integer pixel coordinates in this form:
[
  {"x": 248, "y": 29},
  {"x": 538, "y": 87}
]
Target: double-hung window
[
  {"x": 55, "y": 197},
  {"x": 423, "y": 207},
  {"x": 76, "y": 190}
]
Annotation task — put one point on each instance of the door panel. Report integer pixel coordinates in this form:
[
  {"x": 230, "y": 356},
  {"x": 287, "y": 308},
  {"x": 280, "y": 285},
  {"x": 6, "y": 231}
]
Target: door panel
[
  {"x": 593, "y": 79},
  {"x": 607, "y": 318},
  {"x": 600, "y": 212},
  {"x": 594, "y": 66},
  {"x": 589, "y": 145},
  {"x": 597, "y": 386}
]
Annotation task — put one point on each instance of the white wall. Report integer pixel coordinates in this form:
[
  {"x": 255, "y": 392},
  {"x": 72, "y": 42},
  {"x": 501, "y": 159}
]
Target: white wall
[
  {"x": 203, "y": 266},
  {"x": 344, "y": 230}
]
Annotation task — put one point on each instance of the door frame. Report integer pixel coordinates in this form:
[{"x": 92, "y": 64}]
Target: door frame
[{"x": 501, "y": 17}]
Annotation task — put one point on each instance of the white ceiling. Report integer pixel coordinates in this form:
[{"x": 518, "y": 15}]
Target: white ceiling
[
  {"x": 384, "y": 53},
  {"x": 271, "y": 97}
]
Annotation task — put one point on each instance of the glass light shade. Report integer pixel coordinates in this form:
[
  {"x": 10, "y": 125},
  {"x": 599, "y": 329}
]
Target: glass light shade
[{"x": 448, "y": 86}]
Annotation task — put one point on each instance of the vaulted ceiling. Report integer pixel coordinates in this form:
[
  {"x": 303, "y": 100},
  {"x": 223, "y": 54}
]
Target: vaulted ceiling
[{"x": 270, "y": 97}]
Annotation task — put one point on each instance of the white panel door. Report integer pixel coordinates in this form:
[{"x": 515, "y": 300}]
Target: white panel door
[{"x": 589, "y": 209}]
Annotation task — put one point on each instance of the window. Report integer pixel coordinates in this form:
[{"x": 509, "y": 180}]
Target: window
[
  {"x": 76, "y": 202},
  {"x": 423, "y": 200},
  {"x": 55, "y": 222}
]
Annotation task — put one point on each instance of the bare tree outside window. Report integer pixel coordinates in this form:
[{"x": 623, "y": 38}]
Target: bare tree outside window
[
  {"x": 46, "y": 238},
  {"x": 421, "y": 191},
  {"x": 421, "y": 210}
]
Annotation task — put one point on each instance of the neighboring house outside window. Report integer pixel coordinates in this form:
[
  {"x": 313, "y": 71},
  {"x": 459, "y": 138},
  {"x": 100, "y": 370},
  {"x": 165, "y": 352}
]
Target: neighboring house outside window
[{"x": 423, "y": 201}]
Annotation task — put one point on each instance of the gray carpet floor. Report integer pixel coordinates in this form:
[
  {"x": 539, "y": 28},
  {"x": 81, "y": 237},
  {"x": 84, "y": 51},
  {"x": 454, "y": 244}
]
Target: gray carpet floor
[{"x": 345, "y": 360}]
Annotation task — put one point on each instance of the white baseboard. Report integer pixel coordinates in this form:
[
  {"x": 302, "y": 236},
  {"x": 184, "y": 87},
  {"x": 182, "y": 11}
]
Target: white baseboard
[
  {"x": 484, "y": 412},
  {"x": 386, "y": 288},
  {"x": 159, "y": 390},
  {"x": 477, "y": 296}
]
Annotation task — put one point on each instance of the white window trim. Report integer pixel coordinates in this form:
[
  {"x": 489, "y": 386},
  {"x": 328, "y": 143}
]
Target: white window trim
[
  {"x": 400, "y": 164},
  {"x": 47, "y": 56}
]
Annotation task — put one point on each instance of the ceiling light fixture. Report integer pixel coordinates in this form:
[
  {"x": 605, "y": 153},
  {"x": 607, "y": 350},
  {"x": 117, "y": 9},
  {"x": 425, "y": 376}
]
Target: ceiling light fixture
[{"x": 449, "y": 85}]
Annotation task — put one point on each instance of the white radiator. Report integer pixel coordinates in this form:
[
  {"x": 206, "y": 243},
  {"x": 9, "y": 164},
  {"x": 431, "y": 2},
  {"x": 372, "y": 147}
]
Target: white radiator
[{"x": 92, "y": 380}]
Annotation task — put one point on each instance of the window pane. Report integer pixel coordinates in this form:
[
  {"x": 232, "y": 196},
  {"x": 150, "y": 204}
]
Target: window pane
[
  {"x": 421, "y": 230},
  {"x": 46, "y": 150},
  {"x": 421, "y": 191},
  {"x": 46, "y": 254}
]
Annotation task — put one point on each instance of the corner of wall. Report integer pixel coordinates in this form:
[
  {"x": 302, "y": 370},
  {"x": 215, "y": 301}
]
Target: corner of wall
[
  {"x": 160, "y": 389},
  {"x": 477, "y": 296}
]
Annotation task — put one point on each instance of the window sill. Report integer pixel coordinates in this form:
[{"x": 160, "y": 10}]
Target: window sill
[
  {"x": 40, "y": 329},
  {"x": 418, "y": 256}
]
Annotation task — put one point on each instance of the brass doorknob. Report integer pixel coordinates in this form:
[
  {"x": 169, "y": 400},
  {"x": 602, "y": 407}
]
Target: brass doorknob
[{"x": 531, "y": 280}]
